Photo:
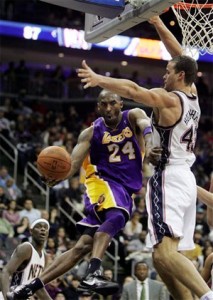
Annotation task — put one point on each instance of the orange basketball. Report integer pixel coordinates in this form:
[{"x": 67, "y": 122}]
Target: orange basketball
[{"x": 54, "y": 163}]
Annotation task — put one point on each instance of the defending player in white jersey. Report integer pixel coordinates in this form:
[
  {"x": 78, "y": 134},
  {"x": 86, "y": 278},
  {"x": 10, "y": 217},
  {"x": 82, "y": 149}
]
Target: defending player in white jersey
[{"x": 27, "y": 260}]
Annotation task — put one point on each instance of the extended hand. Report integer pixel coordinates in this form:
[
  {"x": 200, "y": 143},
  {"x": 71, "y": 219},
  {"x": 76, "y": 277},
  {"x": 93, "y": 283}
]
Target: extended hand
[
  {"x": 50, "y": 182},
  {"x": 89, "y": 77},
  {"x": 154, "y": 155}
]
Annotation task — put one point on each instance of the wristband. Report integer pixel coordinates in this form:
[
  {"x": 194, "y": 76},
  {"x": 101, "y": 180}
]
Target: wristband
[
  {"x": 147, "y": 130},
  {"x": 35, "y": 285}
]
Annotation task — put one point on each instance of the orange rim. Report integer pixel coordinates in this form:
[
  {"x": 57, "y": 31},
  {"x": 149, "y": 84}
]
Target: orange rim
[{"x": 184, "y": 5}]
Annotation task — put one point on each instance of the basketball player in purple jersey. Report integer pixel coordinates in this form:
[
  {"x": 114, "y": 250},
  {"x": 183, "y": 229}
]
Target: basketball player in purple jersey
[
  {"x": 110, "y": 151},
  {"x": 172, "y": 191}
]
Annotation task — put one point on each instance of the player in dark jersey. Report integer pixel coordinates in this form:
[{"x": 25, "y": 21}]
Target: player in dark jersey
[
  {"x": 110, "y": 151},
  {"x": 27, "y": 261}
]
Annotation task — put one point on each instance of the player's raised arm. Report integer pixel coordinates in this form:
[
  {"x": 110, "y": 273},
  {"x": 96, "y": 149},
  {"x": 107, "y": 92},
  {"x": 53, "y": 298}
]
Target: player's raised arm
[
  {"x": 170, "y": 42},
  {"x": 126, "y": 88}
]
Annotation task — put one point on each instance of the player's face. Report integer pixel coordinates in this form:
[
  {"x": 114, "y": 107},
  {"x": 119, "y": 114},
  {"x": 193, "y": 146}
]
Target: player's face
[
  {"x": 170, "y": 78},
  {"x": 40, "y": 232},
  {"x": 110, "y": 109}
]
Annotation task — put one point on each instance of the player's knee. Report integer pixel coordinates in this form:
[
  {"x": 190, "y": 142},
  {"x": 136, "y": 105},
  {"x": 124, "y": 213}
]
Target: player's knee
[
  {"x": 114, "y": 223},
  {"x": 82, "y": 248},
  {"x": 161, "y": 259}
]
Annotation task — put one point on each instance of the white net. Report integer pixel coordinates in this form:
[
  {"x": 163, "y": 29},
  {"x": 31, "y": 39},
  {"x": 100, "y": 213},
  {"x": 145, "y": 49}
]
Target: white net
[{"x": 196, "y": 22}]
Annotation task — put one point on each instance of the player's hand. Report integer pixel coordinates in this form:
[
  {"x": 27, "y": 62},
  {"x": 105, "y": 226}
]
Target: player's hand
[
  {"x": 154, "y": 155},
  {"x": 50, "y": 182},
  {"x": 154, "y": 20},
  {"x": 87, "y": 75}
]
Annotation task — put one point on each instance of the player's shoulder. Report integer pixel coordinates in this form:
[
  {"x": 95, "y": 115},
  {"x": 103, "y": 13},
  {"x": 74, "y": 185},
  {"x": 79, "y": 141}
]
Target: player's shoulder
[
  {"x": 86, "y": 134},
  {"x": 24, "y": 249},
  {"x": 135, "y": 113},
  {"x": 24, "y": 246}
]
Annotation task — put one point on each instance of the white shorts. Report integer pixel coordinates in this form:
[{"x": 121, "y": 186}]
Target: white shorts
[{"x": 171, "y": 204}]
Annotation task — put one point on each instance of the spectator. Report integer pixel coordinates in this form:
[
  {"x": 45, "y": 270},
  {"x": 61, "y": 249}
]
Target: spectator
[
  {"x": 11, "y": 214},
  {"x": 13, "y": 190},
  {"x": 22, "y": 229},
  {"x": 22, "y": 77},
  {"x": 133, "y": 227},
  {"x": 4, "y": 198},
  {"x": 53, "y": 288},
  {"x": 201, "y": 223},
  {"x": 72, "y": 283},
  {"x": 51, "y": 247},
  {"x": 153, "y": 289},
  {"x": 85, "y": 296},
  {"x": 45, "y": 214},
  {"x": 29, "y": 211},
  {"x": 4, "y": 175},
  {"x": 60, "y": 296},
  {"x": 54, "y": 221},
  {"x": 61, "y": 239},
  {"x": 4, "y": 123},
  {"x": 9, "y": 78},
  {"x": 6, "y": 229}
]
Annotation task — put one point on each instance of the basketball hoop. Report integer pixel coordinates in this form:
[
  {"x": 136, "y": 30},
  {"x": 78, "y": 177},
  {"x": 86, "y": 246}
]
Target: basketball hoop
[{"x": 196, "y": 22}]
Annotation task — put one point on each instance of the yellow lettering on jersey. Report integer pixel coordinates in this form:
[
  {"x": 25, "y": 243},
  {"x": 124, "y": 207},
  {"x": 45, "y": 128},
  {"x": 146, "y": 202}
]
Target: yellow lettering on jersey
[{"x": 126, "y": 133}]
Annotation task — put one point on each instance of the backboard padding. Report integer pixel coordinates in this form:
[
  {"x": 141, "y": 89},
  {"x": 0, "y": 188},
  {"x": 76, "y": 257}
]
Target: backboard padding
[
  {"x": 105, "y": 8},
  {"x": 100, "y": 29}
]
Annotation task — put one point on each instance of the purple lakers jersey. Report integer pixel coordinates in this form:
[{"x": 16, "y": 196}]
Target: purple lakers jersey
[{"x": 115, "y": 154}]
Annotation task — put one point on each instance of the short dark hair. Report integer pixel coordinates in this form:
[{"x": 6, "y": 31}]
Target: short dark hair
[
  {"x": 144, "y": 262},
  {"x": 188, "y": 65},
  {"x": 104, "y": 93}
]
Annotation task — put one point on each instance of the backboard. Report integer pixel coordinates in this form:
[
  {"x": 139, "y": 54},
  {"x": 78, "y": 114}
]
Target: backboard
[
  {"x": 104, "y": 8},
  {"x": 98, "y": 29}
]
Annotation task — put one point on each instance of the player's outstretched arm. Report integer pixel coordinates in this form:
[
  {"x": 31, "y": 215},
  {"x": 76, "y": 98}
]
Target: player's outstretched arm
[
  {"x": 126, "y": 88},
  {"x": 169, "y": 40},
  {"x": 171, "y": 43},
  {"x": 79, "y": 153}
]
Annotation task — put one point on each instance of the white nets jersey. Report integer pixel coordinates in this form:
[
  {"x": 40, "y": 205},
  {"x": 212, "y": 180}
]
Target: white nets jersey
[
  {"x": 178, "y": 140},
  {"x": 33, "y": 269}
]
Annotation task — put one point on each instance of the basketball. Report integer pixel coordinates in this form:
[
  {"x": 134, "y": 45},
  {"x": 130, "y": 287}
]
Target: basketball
[{"x": 54, "y": 163}]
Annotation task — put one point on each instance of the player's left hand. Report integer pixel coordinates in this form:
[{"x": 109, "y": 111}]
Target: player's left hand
[
  {"x": 50, "y": 182},
  {"x": 89, "y": 77},
  {"x": 154, "y": 155}
]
